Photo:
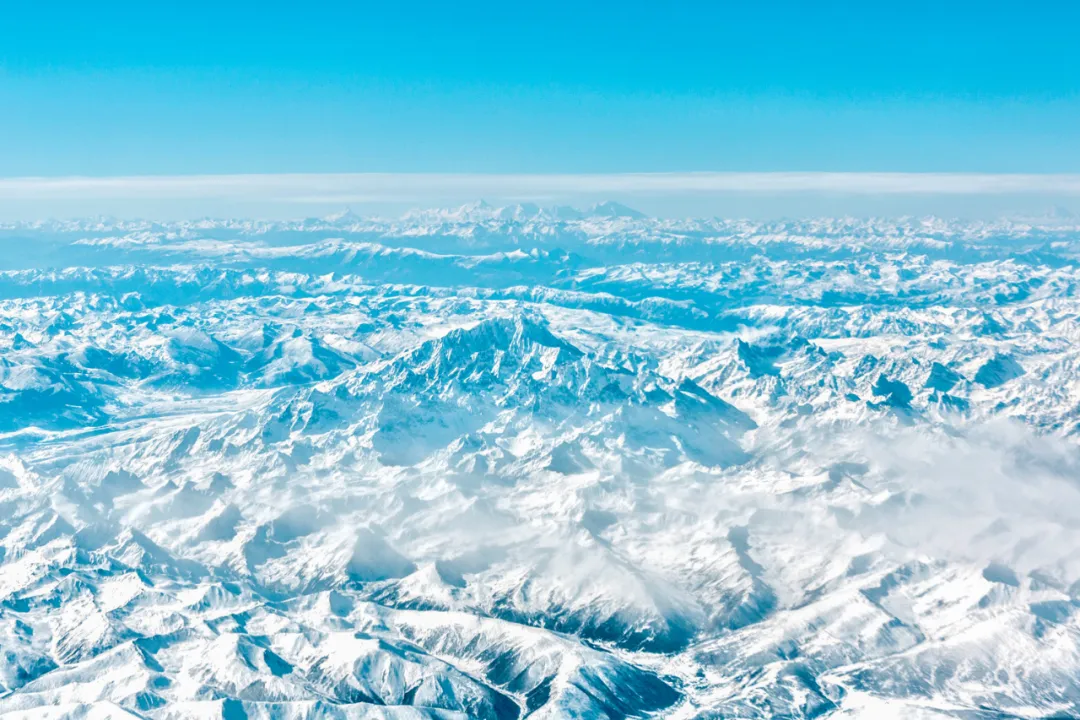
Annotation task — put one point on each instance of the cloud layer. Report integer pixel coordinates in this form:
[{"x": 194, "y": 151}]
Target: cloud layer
[{"x": 401, "y": 187}]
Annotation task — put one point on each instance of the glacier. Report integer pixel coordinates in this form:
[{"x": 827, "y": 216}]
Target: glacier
[{"x": 509, "y": 462}]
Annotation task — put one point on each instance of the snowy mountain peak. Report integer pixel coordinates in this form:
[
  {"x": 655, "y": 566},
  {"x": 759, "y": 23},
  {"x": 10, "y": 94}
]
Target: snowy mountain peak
[
  {"x": 614, "y": 210},
  {"x": 481, "y": 211},
  {"x": 343, "y": 217}
]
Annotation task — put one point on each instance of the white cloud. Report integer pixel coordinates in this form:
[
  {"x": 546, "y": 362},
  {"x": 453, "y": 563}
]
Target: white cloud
[{"x": 396, "y": 187}]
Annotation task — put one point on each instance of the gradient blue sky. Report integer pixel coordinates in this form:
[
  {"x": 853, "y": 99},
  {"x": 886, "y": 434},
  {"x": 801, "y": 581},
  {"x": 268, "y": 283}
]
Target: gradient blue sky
[{"x": 133, "y": 88}]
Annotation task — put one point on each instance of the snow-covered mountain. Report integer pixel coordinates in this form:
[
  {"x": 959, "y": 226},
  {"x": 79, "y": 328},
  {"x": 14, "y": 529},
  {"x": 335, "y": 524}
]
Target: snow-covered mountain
[{"x": 539, "y": 462}]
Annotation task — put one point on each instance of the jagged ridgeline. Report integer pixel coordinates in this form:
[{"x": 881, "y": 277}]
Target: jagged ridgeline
[{"x": 527, "y": 462}]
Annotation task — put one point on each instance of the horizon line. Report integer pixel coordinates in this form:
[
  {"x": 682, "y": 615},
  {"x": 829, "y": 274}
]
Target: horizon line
[{"x": 383, "y": 187}]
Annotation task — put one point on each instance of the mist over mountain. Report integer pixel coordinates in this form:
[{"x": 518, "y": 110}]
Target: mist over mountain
[{"x": 508, "y": 462}]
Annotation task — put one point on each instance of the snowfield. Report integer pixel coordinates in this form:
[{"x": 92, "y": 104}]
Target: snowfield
[{"x": 522, "y": 462}]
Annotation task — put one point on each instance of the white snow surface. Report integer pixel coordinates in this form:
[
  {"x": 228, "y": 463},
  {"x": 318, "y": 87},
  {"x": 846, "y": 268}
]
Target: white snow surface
[{"x": 525, "y": 462}]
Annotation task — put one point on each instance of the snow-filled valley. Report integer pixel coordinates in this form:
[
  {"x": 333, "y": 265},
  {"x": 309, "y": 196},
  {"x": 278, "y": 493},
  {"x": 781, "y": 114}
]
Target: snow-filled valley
[{"x": 523, "y": 462}]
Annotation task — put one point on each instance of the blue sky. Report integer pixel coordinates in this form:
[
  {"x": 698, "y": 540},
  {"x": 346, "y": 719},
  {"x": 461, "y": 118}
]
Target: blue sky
[{"x": 176, "y": 88}]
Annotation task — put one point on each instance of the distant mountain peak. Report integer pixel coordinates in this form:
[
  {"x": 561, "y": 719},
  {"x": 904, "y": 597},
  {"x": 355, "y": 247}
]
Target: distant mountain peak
[
  {"x": 481, "y": 210},
  {"x": 343, "y": 216},
  {"x": 613, "y": 209}
]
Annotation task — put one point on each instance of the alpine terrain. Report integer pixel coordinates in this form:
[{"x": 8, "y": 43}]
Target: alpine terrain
[{"x": 543, "y": 463}]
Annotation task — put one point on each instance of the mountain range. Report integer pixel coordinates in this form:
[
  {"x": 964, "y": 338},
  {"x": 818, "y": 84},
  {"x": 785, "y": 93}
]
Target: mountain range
[{"x": 539, "y": 462}]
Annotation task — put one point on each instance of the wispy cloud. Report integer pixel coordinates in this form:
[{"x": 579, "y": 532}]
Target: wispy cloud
[{"x": 397, "y": 187}]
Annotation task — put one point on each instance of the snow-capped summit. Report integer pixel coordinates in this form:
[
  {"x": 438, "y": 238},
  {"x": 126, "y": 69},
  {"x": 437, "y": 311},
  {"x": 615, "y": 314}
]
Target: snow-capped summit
[
  {"x": 614, "y": 210},
  {"x": 482, "y": 211},
  {"x": 343, "y": 217}
]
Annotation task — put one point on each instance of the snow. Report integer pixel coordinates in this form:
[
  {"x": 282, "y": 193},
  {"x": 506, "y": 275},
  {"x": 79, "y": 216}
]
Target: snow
[{"x": 506, "y": 462}]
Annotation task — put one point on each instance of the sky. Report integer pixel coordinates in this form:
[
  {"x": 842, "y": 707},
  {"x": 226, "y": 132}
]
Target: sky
[{"x": 197, "y": 88}]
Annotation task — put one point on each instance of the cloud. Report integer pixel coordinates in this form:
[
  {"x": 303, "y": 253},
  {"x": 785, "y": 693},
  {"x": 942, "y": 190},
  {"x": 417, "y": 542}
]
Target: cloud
[
  {"x": 983, "y": 492},
  {"x": 397, "y": 187}
]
